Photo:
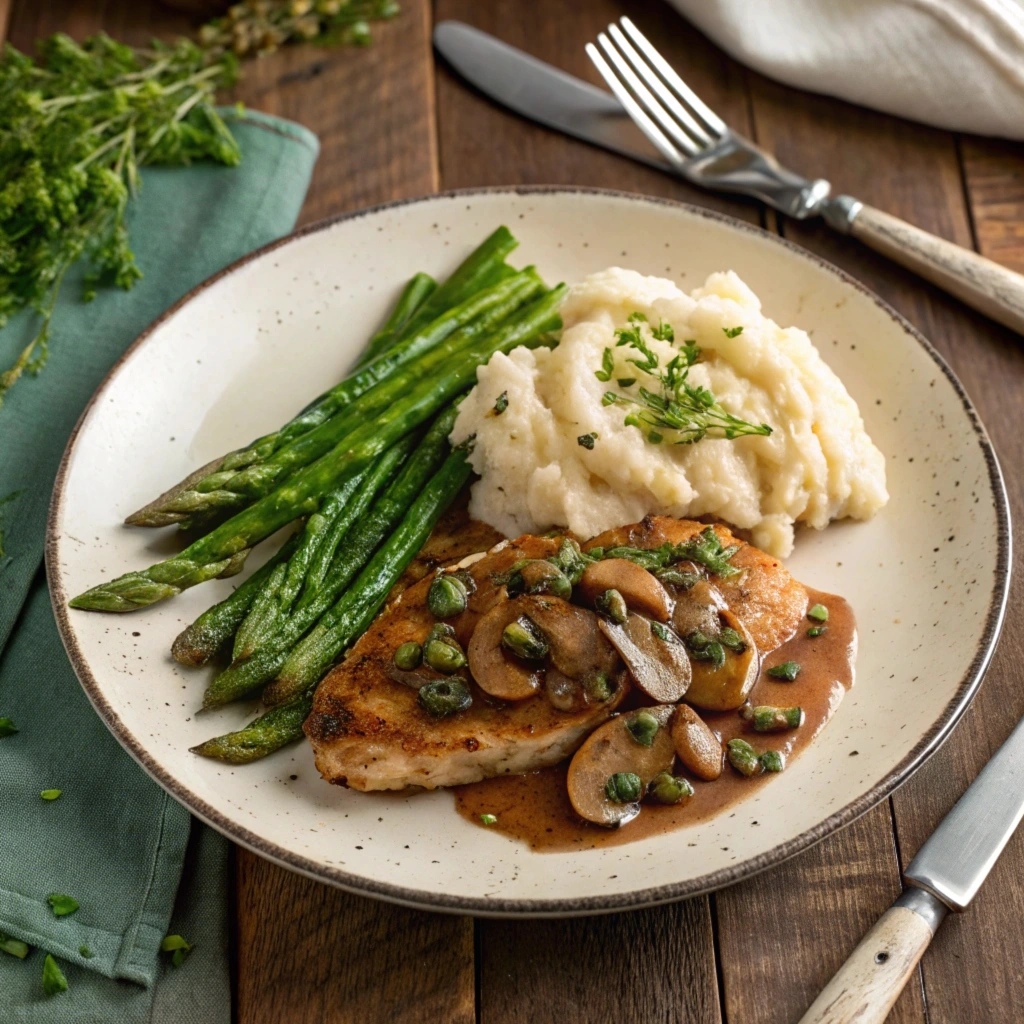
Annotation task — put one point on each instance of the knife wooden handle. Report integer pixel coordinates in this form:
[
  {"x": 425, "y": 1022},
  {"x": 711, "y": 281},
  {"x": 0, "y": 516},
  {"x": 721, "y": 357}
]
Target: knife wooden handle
[
  {"x": 864, "y": 989},
  {"x": 981, "y": 283}
]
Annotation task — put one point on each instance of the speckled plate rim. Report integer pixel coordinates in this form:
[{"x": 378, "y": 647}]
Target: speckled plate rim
[{"x": 444, "y": 902}]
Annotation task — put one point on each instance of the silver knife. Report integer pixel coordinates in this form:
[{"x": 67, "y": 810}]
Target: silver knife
[
  {"x": 945, "y": 875},
  {"x": 542, "y": 93}
]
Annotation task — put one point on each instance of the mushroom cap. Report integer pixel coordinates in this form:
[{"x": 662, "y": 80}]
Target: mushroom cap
[
  {"x": 641, "y": 590},
  {"x": 726, "y": 688},
  {"x": 609, "y": 749},
  {"x": 493, "y": 670},
  {"x": 661, "y": 668},
  {"x": 698, "y": 747}
]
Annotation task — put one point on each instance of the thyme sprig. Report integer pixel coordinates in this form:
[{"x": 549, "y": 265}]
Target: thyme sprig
[{"x": 675, "y": 409}]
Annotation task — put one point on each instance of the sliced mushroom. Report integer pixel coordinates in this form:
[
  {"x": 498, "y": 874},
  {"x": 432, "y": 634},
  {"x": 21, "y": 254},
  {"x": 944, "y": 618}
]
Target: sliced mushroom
[
  {"x": 496, "y": 673},
  {"x": 696, "y": 610},
  {"x": 611, "y": 750},
  {"x": 697, "y": 746},
  {"x": 654, "y": 655},
  {"x": 725, "y": 688},
  {"x": 642, "y": 591}
]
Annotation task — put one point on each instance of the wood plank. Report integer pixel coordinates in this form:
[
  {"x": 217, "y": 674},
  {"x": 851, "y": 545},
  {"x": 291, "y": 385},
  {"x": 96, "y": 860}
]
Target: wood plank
[
  {"x": 912, "y": 172},
  {"x": 657, "y": 964},
  {"x": 994, "y": 172},
  {"x": 649, "y": 965},
  {"x": 309, "y": 954},
  {"x": 783, "y": 934}
]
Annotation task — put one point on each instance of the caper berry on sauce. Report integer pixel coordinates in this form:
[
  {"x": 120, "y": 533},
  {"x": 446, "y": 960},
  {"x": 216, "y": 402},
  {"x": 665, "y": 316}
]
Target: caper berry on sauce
[
  {"x": 766, "y": 718},
  {"x": 444, "y": 697},
  {"x": 642, "y": 726},
  {"x": 667, "y": 788},
  {"x": 623, "y": 787},
  {"x": 444, "y": 656},
  {"x": 408, "y": 656},
  {"x": 447, "y": 596},
  {"x": 524, "y": 639}
]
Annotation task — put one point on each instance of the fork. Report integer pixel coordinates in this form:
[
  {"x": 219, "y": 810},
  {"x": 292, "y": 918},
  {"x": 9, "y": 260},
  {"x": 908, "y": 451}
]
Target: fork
[{"x": 703, "y": 149}]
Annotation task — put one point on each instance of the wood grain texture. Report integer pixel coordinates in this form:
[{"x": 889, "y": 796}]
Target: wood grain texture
[
  {"x": 912, "y": 172},
  {"x": 866, "y": 986},
  {"x": 647, "y": 966},
  {"x": 310, "y": 954},
  {"x": 786, "y": 932},
  {"x": 994, "y": 174}
]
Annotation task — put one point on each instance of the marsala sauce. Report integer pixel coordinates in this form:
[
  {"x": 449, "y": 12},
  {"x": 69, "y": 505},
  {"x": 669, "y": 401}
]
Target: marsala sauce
[{"x": 535, "y": 807}]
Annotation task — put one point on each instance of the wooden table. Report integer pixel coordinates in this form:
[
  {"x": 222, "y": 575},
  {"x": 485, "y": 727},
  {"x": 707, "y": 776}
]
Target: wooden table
[{"x": 394, "y": 124}]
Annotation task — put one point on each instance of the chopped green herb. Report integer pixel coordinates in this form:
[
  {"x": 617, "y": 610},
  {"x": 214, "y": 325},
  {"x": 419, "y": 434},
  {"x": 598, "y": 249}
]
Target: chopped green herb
[
  {"x": 678, "y": 578},
  {"x": 488, "y": 819},
  {"x": 54, "y": 981},
  {"x": 587, "y": 441},
  {"x": 703, "y": 648},
  {"x": 766, "y": 718},
  {"x": 819, "y": 613},
  {"x": 623, "y": 787},
  {"x": 817, "y": 630},
  {"x": 86, "y": 952},
  {"x": 15, "y": 947},
  {"x": 731, "y": 639},
  {"x": 501, "y": 404},
  {"x": 732, "y": 332},
  {"x": 661, "y": 632},
  {"x": 177, "y": 947},
  {"x": 707, "y": 550},
  {"x": 667, "y": 788},
  {"x": 787, "y": 671},
  {"x": 742, "y": 756},
  {"x": 62, "y": 905},
  {"x": 675, "y": 408},
  {"x": 772, "y": 761},
  {"x": 7, "y": 727},
  {"x": 50, "y": 794},
  {"x": 612, "y": 604},
  {"x": 626, "y": 382},
  {"x": 643, "y": 727}
]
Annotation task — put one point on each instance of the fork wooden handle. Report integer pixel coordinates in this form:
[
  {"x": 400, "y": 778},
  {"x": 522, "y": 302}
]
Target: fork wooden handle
[{"x": 981, "y": 283}]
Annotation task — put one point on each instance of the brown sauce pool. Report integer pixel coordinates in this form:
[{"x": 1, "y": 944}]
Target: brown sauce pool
[{"x": 535, "y": 808}]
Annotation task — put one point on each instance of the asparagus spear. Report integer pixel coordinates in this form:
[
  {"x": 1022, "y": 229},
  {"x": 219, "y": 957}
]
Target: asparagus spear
[
  {"x": 414, "y": 294},
  {"x": 484, "y": 264},
  {"x": 283, "y": 724},
  {"x": 301, "y": 494},
  {"x": 478, "y": 316},
  {"x": 248, "y": 675},
  {"x": 355, "y": 500},
  {"x": 199, "y": 642}
]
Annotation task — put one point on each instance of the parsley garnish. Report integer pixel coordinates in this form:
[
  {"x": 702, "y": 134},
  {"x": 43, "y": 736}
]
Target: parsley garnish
[
  {"x": 501, "y": 404},
  {"x": 13, "y": 947},
  {"x": 50, "y": 794},
  {"x": 703, "y": 648},
  {"x": 674, "y": 409},
  {"x": 707, "y": 550},
  {"x": 7, "y": 727},
  {"x": 62, "y": 905},
  {"x": 787, "y": 671},
  {"x": 54, "y": 981},
  {"x": 587, "y": 441},
  {"x": 177, "y": 947},
  {"x": 732, "y": 332}
]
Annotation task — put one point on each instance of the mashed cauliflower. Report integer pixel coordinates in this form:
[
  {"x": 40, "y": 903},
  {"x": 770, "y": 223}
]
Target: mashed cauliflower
[{"x": 818, "y": 464}]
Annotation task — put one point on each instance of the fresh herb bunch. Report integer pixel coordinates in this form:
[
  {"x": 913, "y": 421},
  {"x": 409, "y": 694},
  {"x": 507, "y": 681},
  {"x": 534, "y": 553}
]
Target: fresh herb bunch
[
  {"x": 686, "y": 413},
  {"x": 258, "y": 27},
  {"x": 75, "y": 127}
]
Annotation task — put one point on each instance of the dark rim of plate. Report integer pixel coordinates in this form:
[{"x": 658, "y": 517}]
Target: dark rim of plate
[{"x": 928, "y": 745}]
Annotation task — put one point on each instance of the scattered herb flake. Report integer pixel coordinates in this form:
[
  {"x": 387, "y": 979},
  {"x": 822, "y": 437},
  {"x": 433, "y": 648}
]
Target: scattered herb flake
[
  {"x": 607, "y": 366},
  {"x": 50, "y": 794},
  {"x": 817, "y": 631},
  {"x": 819, "y": 613},
  {"x": 488, "y": 819},
  {"x": 15, "y": 947},
  {"x": 86, "y": 952},
  {"x": 54, "y": 981},
  {"x": 62, "y": 905},
  {"x": 501, "y": 404},
  {"x": 587, "y": 441},
  {"x": 706, "y": 549},
  {"x": 7, "y": 727},
  {"x": 732, "y": 332},
  {"x": 177, "y": 947},
  {"x": 787, "y": 671},
  {"x": 626, "y": 382}
]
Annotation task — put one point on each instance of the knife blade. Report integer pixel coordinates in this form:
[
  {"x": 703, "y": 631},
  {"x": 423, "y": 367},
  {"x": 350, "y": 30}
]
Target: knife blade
[{"x": 542, "y": 93}]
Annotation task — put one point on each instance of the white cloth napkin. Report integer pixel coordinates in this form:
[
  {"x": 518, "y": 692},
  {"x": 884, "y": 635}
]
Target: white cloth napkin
[{"x": 957, "y": 64}]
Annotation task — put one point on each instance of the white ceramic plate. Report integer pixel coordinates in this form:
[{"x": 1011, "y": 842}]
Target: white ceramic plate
[{"x": 927, "y": 578}]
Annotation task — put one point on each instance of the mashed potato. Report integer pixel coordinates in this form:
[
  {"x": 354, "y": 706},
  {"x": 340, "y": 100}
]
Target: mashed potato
[{"x": 818, "y": 463}]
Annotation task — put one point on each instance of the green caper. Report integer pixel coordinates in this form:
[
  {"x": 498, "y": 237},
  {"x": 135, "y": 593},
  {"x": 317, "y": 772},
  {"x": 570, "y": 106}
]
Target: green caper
[
  {"x": 643, "y": 727},
  {"x": 408, "y": 656},
  {"x": 598, "y": 688},
  {"x": 524, "y": 639},
  {"x": 623, "y": 787},
  {"x": 612, "y": 604},
  {"x": 772, "y": 761},
  {"x": 731, "y": 639},
  {"x": 703, "y": 648},
  {"x": 444, "y": 696},
  {"x": 444, "y": 656},
  {"x": 766, "y": 718},
  {"x": 447, "y": 596},
  {"x": 667, "y": 788},
  {"x": 440, "y": 631},
  {"x": 743, "y": 758},
  {"x": 538, "y": 576}
]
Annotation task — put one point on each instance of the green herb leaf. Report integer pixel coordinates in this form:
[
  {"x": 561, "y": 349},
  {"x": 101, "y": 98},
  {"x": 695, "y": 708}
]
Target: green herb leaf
[
  {"x": 731, "y": 639},
  {"x": 664, "y": 331},
  {"x": 501, "y": 404},
  {"x": 707, "y": 550},
  {"x": 177, "y": 947},
  {"x": 626, "y": 382},
  {"x": 54, "y": 981},
  {"x": 62, "y": 905},
  {"x": 587, "y": 441},
  {"x": 488, "y": 819},
  {"x": 14, "y": 947},
  {"x": 817, "y": 631},
  {"x": 787, "y": 671},
  {"x": 819, "y": 613},
  {"x": 7, "y": 727},
  {"x": 50, "y": 794},
  {"x": 86, "y": 952},
  {"x": 732, "y": 332},
  {"x": 607, "y": 367}
]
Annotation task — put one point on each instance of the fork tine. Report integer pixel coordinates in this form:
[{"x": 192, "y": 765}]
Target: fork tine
[
  {"x": 635, "y": 111},
  {"x": 654, "y": 83},
  {"x": 699, "y": 107},
  {"x": 644, "y": 96}
]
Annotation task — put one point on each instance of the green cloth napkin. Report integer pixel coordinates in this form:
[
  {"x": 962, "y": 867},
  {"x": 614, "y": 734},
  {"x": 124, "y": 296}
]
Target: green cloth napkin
[{"x": 132, "y": 857}]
